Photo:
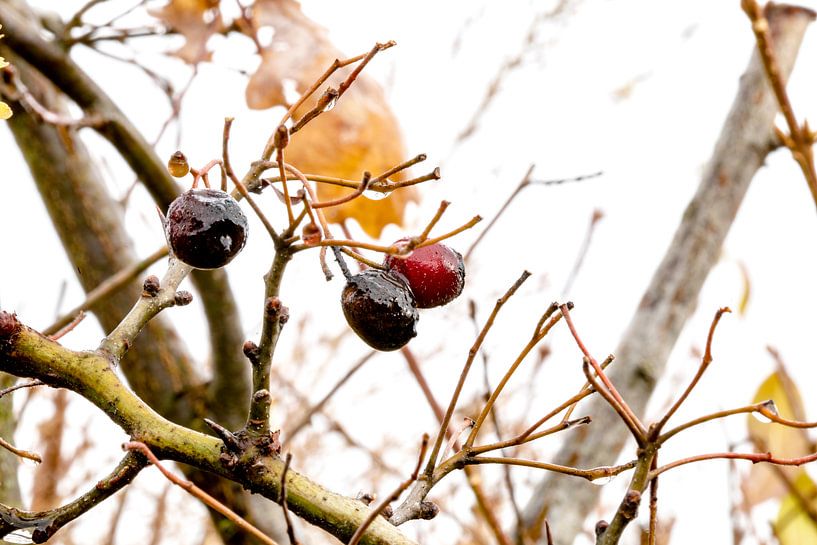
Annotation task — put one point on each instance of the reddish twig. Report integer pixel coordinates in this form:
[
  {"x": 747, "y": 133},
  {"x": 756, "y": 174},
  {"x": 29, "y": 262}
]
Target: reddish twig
[
  {"x": 540, "y": 331},
  {"x": 755, "y": 458},
  {"x": 364, "y": 185},
  {"x": 198, "y": 493},
  {"x": 595, "y": 217},
  {"x": 705, "y": 361},
  {"x": 6, "y": 391},
  {"x": 623, "y": 409},
  {"x": 69, "y": 327},
  {"x": 391, "y": 497},
  {"x": 28, "y": 455},
  {"x": 283, "y": 501},
  {"x": 432, "y": 460},
  {"x": 800, "y": 139}
]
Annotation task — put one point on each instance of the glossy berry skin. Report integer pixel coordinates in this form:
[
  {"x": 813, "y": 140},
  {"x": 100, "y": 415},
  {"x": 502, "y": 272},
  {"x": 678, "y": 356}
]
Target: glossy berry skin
[
  {"x": 205, "y": 228},
  {"x": 435, "y": 274},
  {"x": 380, "y": 308}
]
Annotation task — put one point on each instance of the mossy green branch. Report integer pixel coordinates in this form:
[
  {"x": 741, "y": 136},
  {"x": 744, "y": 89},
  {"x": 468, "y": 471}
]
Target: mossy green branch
[{"x": 26, "y": 353}]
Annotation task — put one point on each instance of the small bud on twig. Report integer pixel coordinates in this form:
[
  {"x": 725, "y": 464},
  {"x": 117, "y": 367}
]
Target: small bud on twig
[
  {"x": 183, "y": 298},
  {"x": 177, "y": 165},
  {"x": 151, "y": 286},
  {"x": 428, "y": 510},
  {"x": 281, "y": 137}
]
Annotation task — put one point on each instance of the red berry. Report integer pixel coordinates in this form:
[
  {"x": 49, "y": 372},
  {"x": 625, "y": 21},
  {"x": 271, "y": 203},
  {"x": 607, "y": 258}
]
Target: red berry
[
  {"x": 379, "y": 307},
  {"x": 435, "y": 274},
  {"x": 205, "y": 228}
]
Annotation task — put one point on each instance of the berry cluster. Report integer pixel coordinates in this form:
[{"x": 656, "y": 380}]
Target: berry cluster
[
  {"x": 205, "y": 228},
  {"x": 381, "y": 305}
]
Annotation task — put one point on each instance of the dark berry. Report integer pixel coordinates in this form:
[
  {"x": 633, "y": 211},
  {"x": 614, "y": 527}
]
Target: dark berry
[
  {"x": 380, "y": 308},
  {"x": 435, "y": 273},
  {"x": 205, "y": 228}
]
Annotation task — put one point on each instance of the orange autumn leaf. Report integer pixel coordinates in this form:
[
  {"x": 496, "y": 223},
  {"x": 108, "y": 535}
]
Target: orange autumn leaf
[
  {"x": 360, "y": 134},
  {"x": 196, "y": 20}
]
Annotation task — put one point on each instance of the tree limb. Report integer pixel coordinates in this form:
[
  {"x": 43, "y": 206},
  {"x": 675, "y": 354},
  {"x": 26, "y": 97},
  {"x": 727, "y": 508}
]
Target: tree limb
[{"x": 24, "y": 352}]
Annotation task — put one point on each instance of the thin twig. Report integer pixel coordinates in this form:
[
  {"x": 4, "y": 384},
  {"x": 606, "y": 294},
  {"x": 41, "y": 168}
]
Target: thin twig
[
  {"x": 800, "y": 139},
  {"x": 290, "y": 530},
  {"x": 69, "y": 327},
  {"x": 472, "y": 477},
  {"x": 705, "y": 361},
  {"x": 20, "y": 452},
  {"x": 318, "y": 406},
  {"x": 604, "y": 472},
  {"x": 391, "y": 497},
  {"x": 630, "y": 417},
  {"x": 540, "y": 332},
  {"x": 364, "y": 185},
  {"x": 398, "y": 168},
  {"x": 432, "y": 460},
  {"x": 577, "y": 265},
  {"x": 653, "y": 504},
  {"x": 198, "y": 493},
  {"x": 755, "y": 458},
  {"x": 113, "y": 284},
  {"x": 10, "y": 389}
]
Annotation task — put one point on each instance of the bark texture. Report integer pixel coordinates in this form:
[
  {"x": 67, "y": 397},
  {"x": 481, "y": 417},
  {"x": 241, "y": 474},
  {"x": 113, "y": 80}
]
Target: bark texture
[{"x": 670, "y": 299}]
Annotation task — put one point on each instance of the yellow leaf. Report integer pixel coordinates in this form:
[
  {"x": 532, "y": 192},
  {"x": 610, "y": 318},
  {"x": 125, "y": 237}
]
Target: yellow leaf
[
  {"x": 795, "y": 524},
  {"x": 359, "y": 134},
  {"x": 765, "y": 482},
  {"x": 5, "y": 111},
  {"x": 196, "y": 20}
]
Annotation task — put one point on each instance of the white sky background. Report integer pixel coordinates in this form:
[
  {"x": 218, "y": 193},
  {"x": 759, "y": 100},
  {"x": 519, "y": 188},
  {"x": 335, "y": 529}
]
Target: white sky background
[{"x": 561, "y": 110}]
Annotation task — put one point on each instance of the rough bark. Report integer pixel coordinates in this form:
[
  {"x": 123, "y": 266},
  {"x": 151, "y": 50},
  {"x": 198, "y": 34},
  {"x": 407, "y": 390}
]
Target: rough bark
[
  {"x": 9, "y": 486},
  {"x": 89, "y": 223},
  {"x": 231, "y": 373},
  {"x": 670, "y": 299}
]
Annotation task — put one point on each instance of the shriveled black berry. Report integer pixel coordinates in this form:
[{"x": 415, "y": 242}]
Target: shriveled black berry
[
  {"x": 380, "y": 308},
  {"x": 205, "y": 228}
]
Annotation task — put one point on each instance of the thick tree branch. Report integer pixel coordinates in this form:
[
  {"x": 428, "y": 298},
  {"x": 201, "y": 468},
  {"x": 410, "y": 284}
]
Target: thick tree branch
[
  {"x": 57, "y": 66},
  {"x": 44, "y": 524},
  {"x": 746, "y": 139},
  {"x": 24, "y": 352}
]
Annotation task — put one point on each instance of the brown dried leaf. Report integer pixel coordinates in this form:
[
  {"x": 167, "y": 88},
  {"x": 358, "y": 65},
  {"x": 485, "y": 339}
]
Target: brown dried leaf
[
  {"x": 196, "y": 20},
  {"x": 360, "y": 134},
  {"x": 300, "y": 52}
]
